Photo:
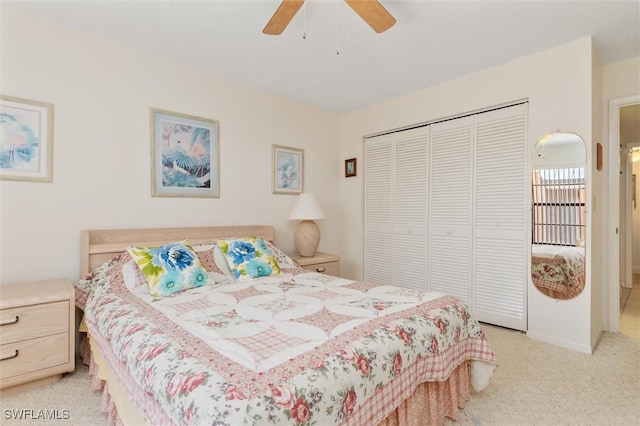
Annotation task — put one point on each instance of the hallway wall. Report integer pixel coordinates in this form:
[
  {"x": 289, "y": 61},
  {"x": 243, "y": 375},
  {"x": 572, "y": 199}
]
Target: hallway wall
[{"x": 635, "y": 214}]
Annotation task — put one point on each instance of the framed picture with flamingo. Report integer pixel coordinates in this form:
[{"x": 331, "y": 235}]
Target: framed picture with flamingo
[{"x": 184, "y": 155}]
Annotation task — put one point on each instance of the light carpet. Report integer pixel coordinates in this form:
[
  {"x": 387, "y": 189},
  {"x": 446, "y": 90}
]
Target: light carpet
[{"x": 535, "y": 384}]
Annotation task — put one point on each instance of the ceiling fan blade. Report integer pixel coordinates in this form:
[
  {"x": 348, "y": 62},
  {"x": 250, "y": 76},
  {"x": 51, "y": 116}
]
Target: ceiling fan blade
[
  {"x": 373, "y": 14},
  {"x": 283, "y": 15}
]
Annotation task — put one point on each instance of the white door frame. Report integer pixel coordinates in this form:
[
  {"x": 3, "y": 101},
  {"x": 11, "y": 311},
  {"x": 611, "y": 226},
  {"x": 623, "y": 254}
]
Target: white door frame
[{"x": 614, "y": 209}]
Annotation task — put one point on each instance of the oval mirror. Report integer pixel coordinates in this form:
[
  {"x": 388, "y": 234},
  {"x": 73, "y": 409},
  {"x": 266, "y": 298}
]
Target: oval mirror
[{"x": 558, "y": 215}]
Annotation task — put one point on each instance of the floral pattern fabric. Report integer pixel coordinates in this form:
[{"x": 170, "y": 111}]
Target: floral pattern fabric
[
  {"x": 559, "y": 269},
  {"x": 170, "y": 268},
  {"x": 249, "y": 257},
  {"x": 296, "y": 348}
]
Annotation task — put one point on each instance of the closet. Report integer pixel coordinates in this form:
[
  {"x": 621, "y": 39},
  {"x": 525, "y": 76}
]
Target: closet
[{"x": 446, "y": 209}]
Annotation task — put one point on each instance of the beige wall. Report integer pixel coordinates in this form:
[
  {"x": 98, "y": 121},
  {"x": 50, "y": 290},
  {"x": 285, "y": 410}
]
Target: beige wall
[
  {"x": 102, "y": 93},
  {"x": 557, "y": 100},
  {"x": 595, "y": 244},
  {"x": 620, "y": 79}
]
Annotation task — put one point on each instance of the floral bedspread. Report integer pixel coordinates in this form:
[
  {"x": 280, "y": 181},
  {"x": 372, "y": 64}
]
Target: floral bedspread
[
  {"x": 296, "y": 348},
  {"x": 558, "y": 268}
]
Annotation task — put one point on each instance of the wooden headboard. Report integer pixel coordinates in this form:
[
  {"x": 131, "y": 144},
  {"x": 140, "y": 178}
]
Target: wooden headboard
[{"x": 98, "y": 246}]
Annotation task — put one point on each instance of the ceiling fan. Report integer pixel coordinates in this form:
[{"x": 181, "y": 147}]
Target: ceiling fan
[{"x": 371, "y": 11}]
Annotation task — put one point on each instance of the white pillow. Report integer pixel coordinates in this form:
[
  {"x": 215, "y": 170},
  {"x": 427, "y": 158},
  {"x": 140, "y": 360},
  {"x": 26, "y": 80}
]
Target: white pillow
[
  {"x": 221, "y": 261},
  {"x": 133, "y": 278}
]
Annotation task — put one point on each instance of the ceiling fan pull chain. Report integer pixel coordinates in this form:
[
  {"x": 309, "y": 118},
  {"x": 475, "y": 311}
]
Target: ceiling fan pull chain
[
  {"x": 304, "y": 20},
  {"x": 337, "y": 27}
]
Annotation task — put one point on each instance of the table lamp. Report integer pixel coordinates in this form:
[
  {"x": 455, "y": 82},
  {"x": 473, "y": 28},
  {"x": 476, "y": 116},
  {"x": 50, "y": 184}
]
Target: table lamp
[{"x": 307, "y": 234}]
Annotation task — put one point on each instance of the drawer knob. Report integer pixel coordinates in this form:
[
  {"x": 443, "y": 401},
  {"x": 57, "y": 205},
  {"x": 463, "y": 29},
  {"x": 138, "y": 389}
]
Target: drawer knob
[
  {"x": 321, "y": 269},
  {"x": 15, "y": 355},
  {"x": 15, "y": 321}
]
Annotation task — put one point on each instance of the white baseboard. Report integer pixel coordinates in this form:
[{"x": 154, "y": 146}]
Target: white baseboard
[{"x": 586, "y": 349}]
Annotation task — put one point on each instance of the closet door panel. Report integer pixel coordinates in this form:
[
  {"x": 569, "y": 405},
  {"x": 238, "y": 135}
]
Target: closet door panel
[
  {"x": 450, "y": 177},
  {"x": 498, "y": 282},
  {"x": 450, "y": 208},
  {"x": 410, "y": 179},
  {"x": 410, "y": 208},
  {"x": 446, "y": 210},
  {"x": 501, "y": 217},
  {"x": 378, "y": 212},
  {"x": 377, "y": 258},
  {"x": 500, "y": 170},
  {"x": 450, "y": 266},
  {"x": 410, "y": 261}
]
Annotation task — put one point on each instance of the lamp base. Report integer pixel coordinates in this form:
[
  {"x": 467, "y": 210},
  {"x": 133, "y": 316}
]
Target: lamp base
[{"x": 307, "y": 238}]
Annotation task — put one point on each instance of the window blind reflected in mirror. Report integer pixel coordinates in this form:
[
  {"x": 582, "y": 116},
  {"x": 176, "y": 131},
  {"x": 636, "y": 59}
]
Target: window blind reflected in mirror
[{"x": 559, "y": 213}]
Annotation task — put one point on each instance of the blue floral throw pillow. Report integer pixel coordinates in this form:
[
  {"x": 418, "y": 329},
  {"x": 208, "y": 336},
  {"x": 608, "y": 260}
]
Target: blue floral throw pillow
[
  {"x": 170, "y": 268},
  {"x": 249, "y": 257}
]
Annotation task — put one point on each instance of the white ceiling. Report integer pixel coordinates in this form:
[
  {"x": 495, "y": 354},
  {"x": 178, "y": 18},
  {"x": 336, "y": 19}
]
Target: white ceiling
[{"x": 432, "y": 41}]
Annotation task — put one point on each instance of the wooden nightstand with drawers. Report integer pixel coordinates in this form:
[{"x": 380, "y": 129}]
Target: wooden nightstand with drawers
[
  {"x": 325, "y": 263},
  {"x": 36, "y": 333}
]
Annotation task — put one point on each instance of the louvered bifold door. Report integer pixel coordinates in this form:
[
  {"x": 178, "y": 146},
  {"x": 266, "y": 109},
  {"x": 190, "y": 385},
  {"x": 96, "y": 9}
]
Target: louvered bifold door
[
  {"x": 501, "y": 217},
  {"x": 378, "y": 201},
  {"x": 450, "y": 173},
  {"x": 410, "y": 208}
]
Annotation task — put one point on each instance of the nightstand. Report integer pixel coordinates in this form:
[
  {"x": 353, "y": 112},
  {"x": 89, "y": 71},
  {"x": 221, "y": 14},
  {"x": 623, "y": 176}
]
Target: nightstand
[
  {"x": 37, "y": 341},
  {"x": 325, "y": 263}
]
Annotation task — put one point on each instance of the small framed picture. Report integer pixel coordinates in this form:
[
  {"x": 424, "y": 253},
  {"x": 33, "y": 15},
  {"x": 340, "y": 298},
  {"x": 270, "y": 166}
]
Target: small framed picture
[
  {"x": 26, "y": 141},
  {"x": 350, "y": 167},
  {"x": 184, "y": 155},
  {"x": 287, "y": 175}
]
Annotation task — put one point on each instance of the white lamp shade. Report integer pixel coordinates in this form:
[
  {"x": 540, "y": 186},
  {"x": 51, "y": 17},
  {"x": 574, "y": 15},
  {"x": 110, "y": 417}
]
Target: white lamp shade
[{"x": 307, "y": 208}]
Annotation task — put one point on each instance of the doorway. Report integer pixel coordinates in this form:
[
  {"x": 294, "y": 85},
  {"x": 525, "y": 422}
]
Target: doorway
[
  {"x": 630, "y": 286},
  {"x": 624, "y": 128}
]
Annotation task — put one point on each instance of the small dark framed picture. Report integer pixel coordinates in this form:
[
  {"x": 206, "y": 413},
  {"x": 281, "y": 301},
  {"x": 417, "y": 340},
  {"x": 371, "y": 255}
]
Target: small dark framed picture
[{"x": 350, "y": 167}]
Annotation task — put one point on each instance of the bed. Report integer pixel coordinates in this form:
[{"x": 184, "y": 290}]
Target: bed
[
  {"x": 294, "y": 347},
  {"x": 558, "y": 271}
]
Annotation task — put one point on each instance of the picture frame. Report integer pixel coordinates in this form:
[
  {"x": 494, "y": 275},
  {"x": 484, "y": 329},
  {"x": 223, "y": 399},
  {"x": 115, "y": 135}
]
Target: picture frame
[
  {"x": 185, "y": 155},
  {"x": 26, "y": 146},
  {"x": 350, "y": 167},
  {"x": 287, "y": 175}
]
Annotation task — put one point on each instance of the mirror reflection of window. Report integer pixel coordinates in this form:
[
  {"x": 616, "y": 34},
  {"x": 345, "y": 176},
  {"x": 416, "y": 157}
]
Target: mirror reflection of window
[
  {"x": 559, "y": 199},
  {"x": 558, "y": 196}
]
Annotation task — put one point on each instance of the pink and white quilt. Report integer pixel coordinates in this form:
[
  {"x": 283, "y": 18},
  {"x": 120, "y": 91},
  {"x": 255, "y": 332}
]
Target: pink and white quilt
[
  {"x": 558, "y": 268},
  {"x": 295, "y": 348}
]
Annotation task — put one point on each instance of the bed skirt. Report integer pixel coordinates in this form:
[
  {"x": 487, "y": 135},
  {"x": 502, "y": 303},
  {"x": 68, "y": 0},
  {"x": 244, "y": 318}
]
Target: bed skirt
[
  {"x": 429, "y": 404},
  {"x": 432, "y": 402}
]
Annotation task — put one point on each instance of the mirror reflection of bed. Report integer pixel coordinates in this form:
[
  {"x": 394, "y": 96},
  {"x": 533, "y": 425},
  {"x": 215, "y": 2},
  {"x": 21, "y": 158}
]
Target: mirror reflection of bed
[{"x": 558, "y": 215}]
